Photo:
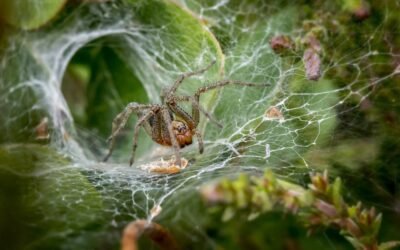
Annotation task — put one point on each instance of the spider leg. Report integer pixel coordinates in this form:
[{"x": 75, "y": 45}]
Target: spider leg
[
  {"x": 156, "y": 127},
  {"x": 189, "y": 120},
  {"x": 218, "y": 84},
  {"x": 139, "y": 123},
  {"x": 182, "y": 77},
  {"x": 195, "y": 112},
  {"x": 200, "y": 141},
  {"x": 174, "y": 142},
  {"x": 223, "y": 83},
  {"x": 182, "y": 114},
  {"x": 120, "y": 121},
  {"x": 196, "y": 107}
]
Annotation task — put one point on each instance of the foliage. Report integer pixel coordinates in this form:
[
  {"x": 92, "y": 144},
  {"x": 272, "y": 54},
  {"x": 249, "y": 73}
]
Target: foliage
[
  {"x": 321, "y": 205},
  {"x": 68, "y": 67}
]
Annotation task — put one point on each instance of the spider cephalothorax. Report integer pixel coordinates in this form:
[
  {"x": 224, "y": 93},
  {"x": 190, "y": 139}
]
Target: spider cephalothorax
[
  {"x": 167, "y": 123},
  {"x": 182, "y": 133}
]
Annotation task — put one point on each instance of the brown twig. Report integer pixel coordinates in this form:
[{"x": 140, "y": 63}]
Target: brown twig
[{"x": 155, "y": 232}]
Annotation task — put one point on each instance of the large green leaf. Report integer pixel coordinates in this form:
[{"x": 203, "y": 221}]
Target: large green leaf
[
  {"x": 44, "y": 200},
  {"x": 28, "y": 14}
]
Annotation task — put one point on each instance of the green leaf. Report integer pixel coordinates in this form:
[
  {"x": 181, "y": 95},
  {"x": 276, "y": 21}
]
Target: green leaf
[
  {"x": 376, "y": 225},
  {"x": 352, "y": 5},
  {"x": 355, "y": 242},
  {"x": 28, "y": 14},
  {"x": 180, "y": 29},
  {"x": 44, "y": 198},
  {"x": 389, "y": 245},
  {"x": 336, "y": 189},
  {"x": 228, "y": 214}
]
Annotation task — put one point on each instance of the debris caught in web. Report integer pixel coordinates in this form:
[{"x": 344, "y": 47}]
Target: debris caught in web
[{"x": 164, "y": 166}]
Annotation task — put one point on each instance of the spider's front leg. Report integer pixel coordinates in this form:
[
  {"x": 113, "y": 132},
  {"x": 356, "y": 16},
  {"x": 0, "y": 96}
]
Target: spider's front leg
[
  {"x": 171, "y": 91},
  {"x": 120, "y": 121},
  {"x": 166, "y": 116},
  {"x": 219, "y": 84},
  {"x": 139, "y": 123}
]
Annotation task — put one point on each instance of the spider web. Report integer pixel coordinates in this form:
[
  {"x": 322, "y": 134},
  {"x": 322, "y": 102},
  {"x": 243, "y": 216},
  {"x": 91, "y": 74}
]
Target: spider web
[{"x": 35, "y": 69}]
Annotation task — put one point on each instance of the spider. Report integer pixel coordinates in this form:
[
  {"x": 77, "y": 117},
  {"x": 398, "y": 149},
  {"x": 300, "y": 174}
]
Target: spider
[{"x": 167, "y": 123}]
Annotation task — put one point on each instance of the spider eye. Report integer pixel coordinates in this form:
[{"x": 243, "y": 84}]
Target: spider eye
[{"x": 182, "y": 128}]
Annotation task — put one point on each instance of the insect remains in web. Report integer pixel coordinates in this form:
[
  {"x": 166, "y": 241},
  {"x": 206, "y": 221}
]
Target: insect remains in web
[{"x": 167, "y": 123}]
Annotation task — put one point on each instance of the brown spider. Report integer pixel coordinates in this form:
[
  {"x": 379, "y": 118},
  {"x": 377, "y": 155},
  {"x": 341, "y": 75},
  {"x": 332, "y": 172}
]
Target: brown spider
[{"x": 167, "y": 123}]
